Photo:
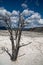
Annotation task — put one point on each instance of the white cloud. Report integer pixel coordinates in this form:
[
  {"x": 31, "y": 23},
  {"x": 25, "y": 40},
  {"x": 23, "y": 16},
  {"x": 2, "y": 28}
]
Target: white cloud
[
  {"x": 34, "y": 18},
  {"x": 36, "y": 15},
  {"x": 15, "y": 16},
  {"x": 41, "y": 21},
  {"x": 14, "y": 19},
  {"x": 27, "y": 12},
  {"x": 3, "y": 12},
  {"x": 24, "y": 5},
  {"x": 14, "y": 12}
]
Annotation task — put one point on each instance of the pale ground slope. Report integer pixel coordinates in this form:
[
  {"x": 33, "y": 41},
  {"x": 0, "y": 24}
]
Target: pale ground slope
[{"x": 28, "y": 55}]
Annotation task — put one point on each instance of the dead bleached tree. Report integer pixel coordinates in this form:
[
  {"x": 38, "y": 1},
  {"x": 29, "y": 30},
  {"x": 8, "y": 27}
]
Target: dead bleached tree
[{"x": 18, "y": 33}]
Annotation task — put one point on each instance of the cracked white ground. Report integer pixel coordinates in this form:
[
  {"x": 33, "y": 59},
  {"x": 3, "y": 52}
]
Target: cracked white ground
[{"x": 31, "y": 54}]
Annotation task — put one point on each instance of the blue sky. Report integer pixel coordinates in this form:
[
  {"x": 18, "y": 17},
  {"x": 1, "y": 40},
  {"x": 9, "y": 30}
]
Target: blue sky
[
  {"x": 36, "y": 5},
  {"x": 29, "y": 9}
]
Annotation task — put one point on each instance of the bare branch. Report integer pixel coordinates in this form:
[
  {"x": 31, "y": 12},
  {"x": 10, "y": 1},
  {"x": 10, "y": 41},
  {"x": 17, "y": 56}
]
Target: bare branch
[
  {"x": 21, "y": 55},
  {"x": 6, "y": 49},
  {"x": 25, "y": 44}
]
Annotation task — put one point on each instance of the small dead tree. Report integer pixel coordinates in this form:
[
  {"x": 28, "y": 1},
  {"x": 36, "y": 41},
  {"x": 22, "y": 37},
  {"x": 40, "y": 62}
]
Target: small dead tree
[{"x": 18, "y": 33}]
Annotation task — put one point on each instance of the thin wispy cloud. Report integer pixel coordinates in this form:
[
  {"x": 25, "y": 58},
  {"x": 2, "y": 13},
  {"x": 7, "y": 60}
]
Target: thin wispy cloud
[{"x": 24, "y": 5}]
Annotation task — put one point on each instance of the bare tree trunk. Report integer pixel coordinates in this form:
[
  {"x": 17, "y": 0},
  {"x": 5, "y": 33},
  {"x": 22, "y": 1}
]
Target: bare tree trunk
[
  {"x": 16, "y": 34},
  {"x": 13, "y": 46},
  {"x": 15, "y": 49}
]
